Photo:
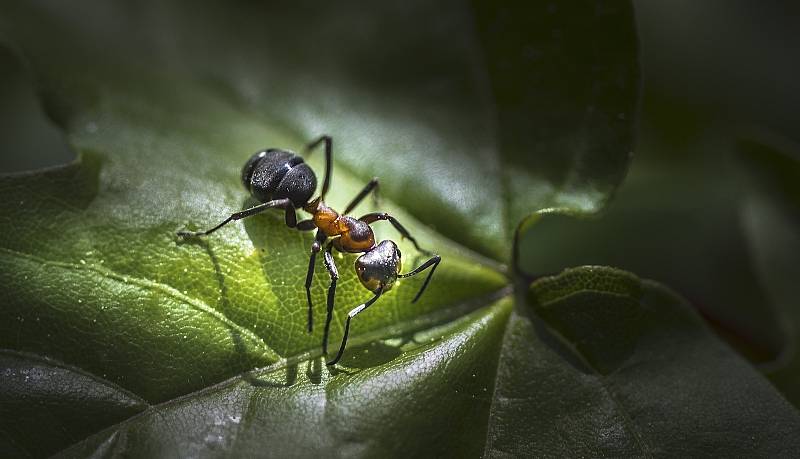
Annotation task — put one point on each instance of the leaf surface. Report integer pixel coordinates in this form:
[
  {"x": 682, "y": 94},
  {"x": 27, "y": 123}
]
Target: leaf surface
[
  {"x": 611, "y": 365},
  {"x": 771, "y": 223},
  {"x": 678, "y": 221},
  {"x": 435, "y": 113},
  {"x": 552, "y": 377},
  {"x": 191, "y": 348}
]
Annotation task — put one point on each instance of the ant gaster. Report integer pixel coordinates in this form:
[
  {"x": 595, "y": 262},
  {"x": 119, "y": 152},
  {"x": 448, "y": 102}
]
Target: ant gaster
[{"x": 280, "y": 179}]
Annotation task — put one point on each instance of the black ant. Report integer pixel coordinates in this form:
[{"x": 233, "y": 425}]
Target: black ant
[{"x": 280, "y": 179}]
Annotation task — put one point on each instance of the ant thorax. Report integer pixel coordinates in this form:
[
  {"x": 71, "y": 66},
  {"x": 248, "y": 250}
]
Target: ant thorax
[
  {"x": 326, "y": 219},
  {"x": 355, "y": 236}
]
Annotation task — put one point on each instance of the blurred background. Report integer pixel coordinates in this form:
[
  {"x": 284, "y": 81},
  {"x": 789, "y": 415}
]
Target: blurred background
[
  {"x": 711, "y": 203},
  {"x": 710, "y": 206}
]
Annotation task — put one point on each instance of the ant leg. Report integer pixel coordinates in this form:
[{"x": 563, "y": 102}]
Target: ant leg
[
  {"x": 372, "y": 185},
  {"x": 315, "y": 247},
  {"x": 283, "y": 203},
  {"x": 306, "y": 225},
  {"x": 432, "y": 262},
  {"x": 290, "y": 217},
  {"x": 329, "y": 263},
  {"x": 354, "y": 312},
  {"x": 328, "y": 160},
  {"x": 373, "y": 217}
]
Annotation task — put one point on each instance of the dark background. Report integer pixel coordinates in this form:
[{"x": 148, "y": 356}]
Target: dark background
[{"x": 711, "y": 71}]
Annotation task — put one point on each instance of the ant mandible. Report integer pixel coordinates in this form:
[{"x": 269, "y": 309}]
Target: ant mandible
[{"x": 280, "y": 179}]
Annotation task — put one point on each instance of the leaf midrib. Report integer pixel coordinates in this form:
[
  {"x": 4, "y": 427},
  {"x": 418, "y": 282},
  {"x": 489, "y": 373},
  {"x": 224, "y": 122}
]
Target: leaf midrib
[
  {"x": 633, "y": 428},
  {"x": 417, "y": 323},
  {"x": 153, "y": 286}
]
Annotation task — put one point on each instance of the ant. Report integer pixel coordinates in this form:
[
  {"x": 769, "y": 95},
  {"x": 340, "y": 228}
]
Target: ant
[{"x": 280, "y": 179}]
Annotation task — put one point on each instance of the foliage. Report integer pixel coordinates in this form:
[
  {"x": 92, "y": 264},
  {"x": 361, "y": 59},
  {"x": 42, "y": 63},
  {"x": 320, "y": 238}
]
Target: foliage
[{"x": 117, "y": 338}]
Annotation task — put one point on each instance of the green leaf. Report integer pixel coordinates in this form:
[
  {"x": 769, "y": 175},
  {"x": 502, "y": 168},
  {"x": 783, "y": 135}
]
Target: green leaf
[
  {"x": 107, "y": 273},
  {"x": 724, "y": 236},
  {"x": 613, "y": 366},
  {"x": 567, "y": 384},
  {"x": 38, "y": 395},
  {"x": 424, "y": 401},
  {"x": 436, "y": 110},
  {"x": 771, "y": 222},
  {"x": 23, "y": 124},
  {"x": 678, "y": 221},
  {"x": 186, "y": 348}
]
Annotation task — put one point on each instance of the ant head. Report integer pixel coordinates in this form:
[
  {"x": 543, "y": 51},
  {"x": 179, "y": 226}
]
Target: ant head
[{"x": 379, "y": 267}]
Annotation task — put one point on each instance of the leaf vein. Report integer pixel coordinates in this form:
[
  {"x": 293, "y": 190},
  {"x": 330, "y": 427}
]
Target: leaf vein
[{"x": 153, "y": 286}]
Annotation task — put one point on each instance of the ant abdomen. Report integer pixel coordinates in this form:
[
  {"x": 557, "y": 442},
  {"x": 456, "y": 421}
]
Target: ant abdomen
[{"x": 279, "y": 174}]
